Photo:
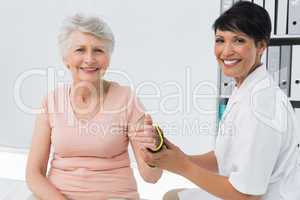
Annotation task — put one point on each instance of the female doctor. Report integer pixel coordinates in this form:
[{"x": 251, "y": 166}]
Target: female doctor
[{"x": 256, "y": 154}]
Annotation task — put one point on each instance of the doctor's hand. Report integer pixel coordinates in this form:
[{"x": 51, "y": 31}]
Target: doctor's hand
[
  {"x": 145, "y": 136},
  {"x": 171, "y": 158}
]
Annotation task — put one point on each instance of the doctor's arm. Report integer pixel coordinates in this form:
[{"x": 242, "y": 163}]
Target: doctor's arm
[
  {"x": 213, "y": 183},
  {"x": 174, "y": 160},
  {"x": 207, "y": 161},
  {"x": 37, "y": 162}
]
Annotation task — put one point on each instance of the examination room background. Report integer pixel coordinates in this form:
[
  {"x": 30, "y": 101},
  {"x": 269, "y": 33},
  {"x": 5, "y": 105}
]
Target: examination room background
[{"x": 164, "y": 51}]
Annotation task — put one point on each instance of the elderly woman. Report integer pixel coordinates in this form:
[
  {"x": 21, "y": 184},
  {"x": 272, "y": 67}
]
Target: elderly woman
[
  {"x": 89, "y": 124},
  {"x": 256, "y": 154}
]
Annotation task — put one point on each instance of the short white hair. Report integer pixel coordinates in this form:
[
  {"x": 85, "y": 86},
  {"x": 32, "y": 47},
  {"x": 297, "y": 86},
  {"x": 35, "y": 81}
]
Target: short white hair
[{"x": 87, "y": 24}]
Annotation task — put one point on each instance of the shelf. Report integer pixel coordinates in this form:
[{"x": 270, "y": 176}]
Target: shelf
[
  {"x": 295, "y": 104},
  {"x": 284, "y": 40}
]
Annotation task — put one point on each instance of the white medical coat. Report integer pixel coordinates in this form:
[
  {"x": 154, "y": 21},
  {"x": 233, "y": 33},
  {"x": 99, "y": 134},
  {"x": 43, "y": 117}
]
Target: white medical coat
[{"x": 257, "y": 146}]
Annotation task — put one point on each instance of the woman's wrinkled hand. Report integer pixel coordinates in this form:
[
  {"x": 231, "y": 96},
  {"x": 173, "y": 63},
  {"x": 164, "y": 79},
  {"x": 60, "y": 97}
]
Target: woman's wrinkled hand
[{"x": 144, "y": 135}]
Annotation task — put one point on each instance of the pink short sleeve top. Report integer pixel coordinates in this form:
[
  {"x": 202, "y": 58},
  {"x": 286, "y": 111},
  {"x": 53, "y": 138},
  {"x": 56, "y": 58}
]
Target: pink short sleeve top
[{"x": 90, "y": 158}]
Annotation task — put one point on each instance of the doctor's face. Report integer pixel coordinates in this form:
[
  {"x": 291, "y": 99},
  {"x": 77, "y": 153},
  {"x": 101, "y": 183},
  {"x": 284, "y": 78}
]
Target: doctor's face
[
  {"x": 237, "y": 54},
  {"x": 87, "y": 58}
]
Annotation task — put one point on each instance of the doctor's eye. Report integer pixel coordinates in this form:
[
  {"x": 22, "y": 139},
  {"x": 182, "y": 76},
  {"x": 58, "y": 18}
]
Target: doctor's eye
[
  {"x": 219, "y": 40},
  {"x": 240, "y": 40}
]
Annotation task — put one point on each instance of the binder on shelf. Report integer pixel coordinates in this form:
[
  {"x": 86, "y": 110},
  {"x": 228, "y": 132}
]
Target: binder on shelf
[
  {"x": 226, "y": 85},
  {"x": 222, "y": 106},
  {"x": 264, "y": 58},
  {"x": 295, "y": 74},
  {"x": 282, "y": 10},
  {"x": 225, "y": 5},
  {"x": 270, "y": 7},
  {"x": 297, "y": 113},
  {"x": 294, "y": 17},
  {"x": 259, "y": 2},
  {"x": 285, "y": 69},
  {"x": 273, "y": 58}
]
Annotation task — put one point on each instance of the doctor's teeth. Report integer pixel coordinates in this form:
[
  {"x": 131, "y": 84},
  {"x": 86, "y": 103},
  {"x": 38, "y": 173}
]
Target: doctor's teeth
[{"x": 230, "y": 62}]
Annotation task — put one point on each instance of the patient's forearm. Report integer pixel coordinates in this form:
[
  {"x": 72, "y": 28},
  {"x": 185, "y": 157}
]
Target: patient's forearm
[
  {"x": 42, "y": 188},
  {"x": 207, "y": 161},
  {"x": 151, "y": 175}
]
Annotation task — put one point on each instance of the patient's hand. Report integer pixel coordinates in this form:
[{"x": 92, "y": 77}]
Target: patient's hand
[{"x": 145, "y": 135}]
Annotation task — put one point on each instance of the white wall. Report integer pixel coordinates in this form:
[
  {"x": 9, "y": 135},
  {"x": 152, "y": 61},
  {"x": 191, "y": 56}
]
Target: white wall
[{"x": 168, "y": 44}]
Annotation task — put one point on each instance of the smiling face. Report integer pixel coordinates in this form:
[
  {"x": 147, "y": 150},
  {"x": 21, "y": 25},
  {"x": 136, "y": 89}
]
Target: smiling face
[
  {"x": 237, "y": 54},
  {"x": 87, "y": 58}
]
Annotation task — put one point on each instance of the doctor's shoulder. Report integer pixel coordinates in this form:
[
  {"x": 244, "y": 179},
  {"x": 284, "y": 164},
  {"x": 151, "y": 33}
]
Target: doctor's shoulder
[{"x": 269, "y": 104}]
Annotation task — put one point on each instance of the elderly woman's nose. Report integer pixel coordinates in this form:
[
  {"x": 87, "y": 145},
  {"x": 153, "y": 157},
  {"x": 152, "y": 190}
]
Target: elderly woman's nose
[{"x": 89, "y": 58}]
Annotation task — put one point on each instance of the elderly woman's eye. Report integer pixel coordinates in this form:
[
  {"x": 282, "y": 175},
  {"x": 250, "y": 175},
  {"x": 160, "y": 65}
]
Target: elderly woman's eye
[
  {"x": 99, "y": 50},
  {"x": 79, "y": 50}
]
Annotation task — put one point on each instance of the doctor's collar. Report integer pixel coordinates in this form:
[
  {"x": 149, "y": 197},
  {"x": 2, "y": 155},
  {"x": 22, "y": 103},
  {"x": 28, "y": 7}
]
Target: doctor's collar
[{"x": 257, "y": 74}]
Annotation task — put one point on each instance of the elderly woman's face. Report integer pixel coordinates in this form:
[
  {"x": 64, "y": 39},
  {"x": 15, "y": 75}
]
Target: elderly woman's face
[
  {"x": 237, "y": 53},
  {"x": 87, "y": 57}
]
